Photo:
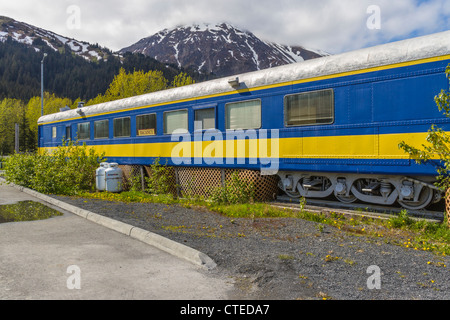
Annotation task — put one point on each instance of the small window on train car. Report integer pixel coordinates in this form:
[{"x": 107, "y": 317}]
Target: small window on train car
[
  {"x": 84, "y": 131},
  {"x": 122, "y": 127},
  {"x": 68, "y": 133},
  {"x": 54, "y": 132},
  {"x": 243, "y": 115},
  {"x": 176, "y": 120},
  {"x": 205, "y": 119},
  {"x": 310, "y": 108},
  {"x": 146, "y": 125},
  {"x": 101, "y": 129}
]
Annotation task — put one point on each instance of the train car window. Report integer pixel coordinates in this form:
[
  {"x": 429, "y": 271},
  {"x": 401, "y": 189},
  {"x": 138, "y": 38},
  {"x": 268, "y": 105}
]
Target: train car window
[
  {"x": 84, "y": 131},
  {"x": 101, "y": 129},
  {"x": 68, "y": 133},
  {"x": 205, "y": 119},
  {"x": 176, "y": 120},
  {"x": 54, "y": 132},
  {"x": 122, "y": 127},
  {"x": 243, "y": 115},
  {"x": 310, "y": 108},
  {"x": 146, "y": 125}
]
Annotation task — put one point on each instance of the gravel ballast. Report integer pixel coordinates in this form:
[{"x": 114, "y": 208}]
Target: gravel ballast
[{"x": 288, "y": 258}]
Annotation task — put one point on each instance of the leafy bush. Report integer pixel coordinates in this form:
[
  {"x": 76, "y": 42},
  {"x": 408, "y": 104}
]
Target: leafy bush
[
  {"x": 66, "y": 170},
  {"x": 159, "y": 178},
  {"x": 438, "y": 143},
  {"x": 235, "y": 191},
  {"x": 19, "y": 169}
]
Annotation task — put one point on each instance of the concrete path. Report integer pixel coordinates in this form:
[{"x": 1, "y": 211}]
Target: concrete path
[{"x": 69, "y": 257}]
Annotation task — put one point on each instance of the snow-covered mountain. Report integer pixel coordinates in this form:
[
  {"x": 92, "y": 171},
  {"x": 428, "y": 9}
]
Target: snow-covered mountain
[
  {"x": 31, "y": 35},
  {"x": 221, "y": 49}
]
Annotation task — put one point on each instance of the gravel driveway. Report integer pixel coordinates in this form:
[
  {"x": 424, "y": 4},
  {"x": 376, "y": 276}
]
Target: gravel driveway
[{"x": 286, "y": 259}]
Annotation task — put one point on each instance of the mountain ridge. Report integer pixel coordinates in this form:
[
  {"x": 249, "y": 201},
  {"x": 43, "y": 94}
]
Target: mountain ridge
[
  {"x": 71, "y": 69},
  {"x": 33, "y": 36},
  {"x": 78, "y": 69},
  {"x": 225, "y": 49}
]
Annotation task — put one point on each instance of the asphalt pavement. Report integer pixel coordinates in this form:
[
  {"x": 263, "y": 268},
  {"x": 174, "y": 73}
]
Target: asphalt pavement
[{"x": 73, "y": 258}]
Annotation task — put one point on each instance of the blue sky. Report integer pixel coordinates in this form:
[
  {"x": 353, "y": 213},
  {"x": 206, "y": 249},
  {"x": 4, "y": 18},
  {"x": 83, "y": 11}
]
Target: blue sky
[{"x": 331, "y": 25}]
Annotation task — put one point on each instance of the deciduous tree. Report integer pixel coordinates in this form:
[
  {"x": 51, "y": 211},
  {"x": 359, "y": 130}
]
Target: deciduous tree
[{"x": 436, "y": 150}]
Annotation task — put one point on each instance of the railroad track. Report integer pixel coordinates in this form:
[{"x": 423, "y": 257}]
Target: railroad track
[{"x": 434, "y": 214}]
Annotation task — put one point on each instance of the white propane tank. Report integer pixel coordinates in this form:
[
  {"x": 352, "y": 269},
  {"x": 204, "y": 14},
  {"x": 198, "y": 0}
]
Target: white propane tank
[
  {"x": 100, "y": 176},
  {"x": 113, "y": 178}
]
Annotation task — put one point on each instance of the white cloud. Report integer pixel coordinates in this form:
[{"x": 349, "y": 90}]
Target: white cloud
[{"x": 330, "y": 25}]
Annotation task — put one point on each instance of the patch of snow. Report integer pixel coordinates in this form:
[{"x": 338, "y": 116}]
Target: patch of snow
[
  {"x": 162, "y": 35},
  {"x": 3, "y": 36},
  {"x": 318, "y": 51},
  {"x": 49, "y": 44},
  {"x": 95, "y": 54},
  {"x": 61, "y": 39},
  {"x": 74, "y": 46},
  {"x": 201, "y": 66},
  {"x": 16, "y": 36},
  {"x": 296, "y": 58},
  {"x": 176, "y": 55},
  {"x": 255, "y": 55},
  {"x": 27, "y": 40},
  {"x": 203, "y": 27},
  {"x": 241, "y": 34}
]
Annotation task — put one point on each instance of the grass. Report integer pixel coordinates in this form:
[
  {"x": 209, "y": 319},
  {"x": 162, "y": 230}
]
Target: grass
[
  {"x": 399, "y": 230},
  {"x": 131, "y": 197}
]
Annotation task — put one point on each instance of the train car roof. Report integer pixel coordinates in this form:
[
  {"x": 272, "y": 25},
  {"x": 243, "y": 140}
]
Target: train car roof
[{"x": 430, "y": 46}]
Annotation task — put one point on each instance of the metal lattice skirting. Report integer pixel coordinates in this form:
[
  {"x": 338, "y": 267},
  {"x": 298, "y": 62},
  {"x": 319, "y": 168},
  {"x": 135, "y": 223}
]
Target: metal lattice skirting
[
  {"x": 266, "y": 187},
  {"x": 190, "y": 182}
]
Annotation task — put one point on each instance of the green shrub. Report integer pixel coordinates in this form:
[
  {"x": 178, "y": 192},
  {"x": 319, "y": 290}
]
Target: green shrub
[
  {"x": 66, "y": 170},
  {"x": 437, "y": 146},
  {"x": 158, "y": 181},
  {"x": 19, "y": 169},
  {"x": 402, "y": 220},
  {"x": 235, "y": 191}
]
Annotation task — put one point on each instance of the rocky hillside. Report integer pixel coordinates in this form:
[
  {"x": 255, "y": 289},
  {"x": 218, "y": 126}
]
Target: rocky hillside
[
  {"x": 34, "y": 36},
  {"x": 73, "y": 69},
  {"x": 219, "y": 49}
]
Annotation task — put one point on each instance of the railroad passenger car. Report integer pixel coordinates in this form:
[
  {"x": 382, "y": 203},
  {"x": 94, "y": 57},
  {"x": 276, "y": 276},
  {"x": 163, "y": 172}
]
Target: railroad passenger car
[{"x": 326, "y": 126}]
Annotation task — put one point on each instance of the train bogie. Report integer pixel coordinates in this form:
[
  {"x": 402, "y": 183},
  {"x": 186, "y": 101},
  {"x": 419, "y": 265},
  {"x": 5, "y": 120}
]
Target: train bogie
[{"x": 411, "y": 193}]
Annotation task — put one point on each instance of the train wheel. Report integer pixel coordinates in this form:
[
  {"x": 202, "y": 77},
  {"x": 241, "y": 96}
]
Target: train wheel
[
  {"x": 344, "y": 199},
  {"x": 425, "y": 198},
  {"x": 293, "y": 195}
]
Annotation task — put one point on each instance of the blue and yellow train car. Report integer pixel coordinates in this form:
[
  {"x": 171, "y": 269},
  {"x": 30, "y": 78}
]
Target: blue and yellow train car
[{"x": 326, "y": 126}]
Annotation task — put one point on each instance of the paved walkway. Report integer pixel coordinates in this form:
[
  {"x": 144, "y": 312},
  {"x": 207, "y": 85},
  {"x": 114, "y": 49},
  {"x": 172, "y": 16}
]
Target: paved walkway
[{"x": 50, "y": 259}]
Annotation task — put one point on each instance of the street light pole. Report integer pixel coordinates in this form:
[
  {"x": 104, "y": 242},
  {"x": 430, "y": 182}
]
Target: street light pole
[{"x": 42, "y": 85}]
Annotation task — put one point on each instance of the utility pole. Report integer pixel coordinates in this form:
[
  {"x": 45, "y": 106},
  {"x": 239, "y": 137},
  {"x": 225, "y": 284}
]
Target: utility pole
[{"x": 42, "y": 85}]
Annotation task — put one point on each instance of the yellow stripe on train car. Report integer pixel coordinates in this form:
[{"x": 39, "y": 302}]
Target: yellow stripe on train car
[{"x": 336, "y": 147}]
